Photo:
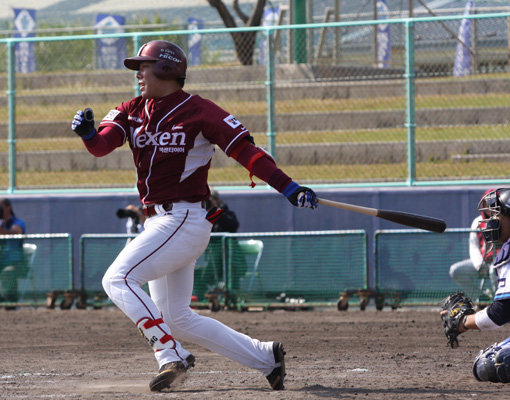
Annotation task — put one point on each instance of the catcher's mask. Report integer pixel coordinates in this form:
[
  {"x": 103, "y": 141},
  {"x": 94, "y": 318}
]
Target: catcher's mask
[
  {"x": 493, "y": 204},
  {"x": 170, "y": 60}
]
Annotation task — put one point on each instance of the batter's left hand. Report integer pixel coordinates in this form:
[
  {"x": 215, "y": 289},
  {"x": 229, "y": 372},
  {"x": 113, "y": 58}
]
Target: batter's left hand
[
  {"x": 301, "y": 196},
  {"x": 83, "y": 124}
]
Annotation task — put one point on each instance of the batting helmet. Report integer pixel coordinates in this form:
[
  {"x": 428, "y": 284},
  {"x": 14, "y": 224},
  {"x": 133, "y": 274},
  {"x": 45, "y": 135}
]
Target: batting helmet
[{"x": 170, "y": 60}]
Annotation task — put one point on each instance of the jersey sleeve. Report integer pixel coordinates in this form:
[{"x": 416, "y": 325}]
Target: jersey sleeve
[
  {"x": 111, "y": 133},
  {"x": 222, "y": 128},
  {"x": 117, "y": 121},
  {"x": 499, "y": 312}
]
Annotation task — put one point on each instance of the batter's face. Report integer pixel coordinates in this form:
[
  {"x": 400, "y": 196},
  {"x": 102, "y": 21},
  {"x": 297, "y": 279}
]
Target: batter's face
[{"x": 150, "y": 86}]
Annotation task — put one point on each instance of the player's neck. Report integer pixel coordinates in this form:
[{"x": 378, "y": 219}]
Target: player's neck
[{"x": 169, "y": 88}]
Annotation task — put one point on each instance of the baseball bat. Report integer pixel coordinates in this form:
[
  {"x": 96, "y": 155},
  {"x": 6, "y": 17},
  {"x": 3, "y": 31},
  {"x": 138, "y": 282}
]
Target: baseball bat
[
  {"x": 88, "y": 114},
  {"x": 414, "y": 220}
]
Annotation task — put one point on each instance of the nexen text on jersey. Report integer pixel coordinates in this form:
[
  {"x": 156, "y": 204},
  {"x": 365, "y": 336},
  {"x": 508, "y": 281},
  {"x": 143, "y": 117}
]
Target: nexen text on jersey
[{"x": 160, "y": 139}]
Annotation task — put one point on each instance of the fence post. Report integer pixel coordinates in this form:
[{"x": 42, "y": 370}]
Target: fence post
[
  {"x": 410, "y": 105},
  {"x": 299, "y": 17},
  {"x": 270, "y": 112},
  {"x": 11, "y": 134},
  {"x": 136, "y": 46}
]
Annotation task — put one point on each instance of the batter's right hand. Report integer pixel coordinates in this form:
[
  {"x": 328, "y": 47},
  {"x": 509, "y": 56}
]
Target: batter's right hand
[
  {"x": 83, "y": 124},
  {"x": 300, "y": 196}
]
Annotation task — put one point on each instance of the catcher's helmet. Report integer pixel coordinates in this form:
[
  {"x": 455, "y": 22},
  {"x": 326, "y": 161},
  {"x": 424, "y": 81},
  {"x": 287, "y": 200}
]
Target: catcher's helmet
[
  {"x": 494, "y": 203},
  {"x": 170, "y": 60}
]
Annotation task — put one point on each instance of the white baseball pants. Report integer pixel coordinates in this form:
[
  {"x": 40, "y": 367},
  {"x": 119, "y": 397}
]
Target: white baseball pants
[{"x": 164, "y": 255}]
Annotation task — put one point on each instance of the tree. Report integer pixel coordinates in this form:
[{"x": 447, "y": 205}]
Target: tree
[{"x": 244, "y": 42}]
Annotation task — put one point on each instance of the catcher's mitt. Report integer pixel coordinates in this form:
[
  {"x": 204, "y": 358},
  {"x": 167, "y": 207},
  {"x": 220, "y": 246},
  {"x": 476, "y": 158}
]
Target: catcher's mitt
[{"x": 457, "y": 306}]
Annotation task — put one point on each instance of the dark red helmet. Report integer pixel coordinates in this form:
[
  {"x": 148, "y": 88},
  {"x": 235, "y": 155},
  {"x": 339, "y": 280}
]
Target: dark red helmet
[{"x": 170, "y": 59}]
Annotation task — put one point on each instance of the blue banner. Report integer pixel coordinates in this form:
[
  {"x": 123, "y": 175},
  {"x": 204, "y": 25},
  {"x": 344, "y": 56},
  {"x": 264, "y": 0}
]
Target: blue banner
[
  {"x": 383, "y": 36},
  {"x": 195, "y": 42},
  {"x": 462, "y": 64},
  {"x": 270, "y": 18},
  {"x": 110, "y": 52},
  {"x": 24, "y": 26}
]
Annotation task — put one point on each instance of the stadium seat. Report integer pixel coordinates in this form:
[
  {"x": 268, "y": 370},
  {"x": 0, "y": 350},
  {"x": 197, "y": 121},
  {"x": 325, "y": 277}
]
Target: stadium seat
[
  {"x": 252, "y": 247},
  {"x": 29, "y": 250}
]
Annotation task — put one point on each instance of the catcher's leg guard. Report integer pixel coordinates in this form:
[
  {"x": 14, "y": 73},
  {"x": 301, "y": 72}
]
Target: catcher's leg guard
[
  {"x": 157, "y": 338},
  {"x": 502, "y": 365},
  {"x": 483, "y": 366}
]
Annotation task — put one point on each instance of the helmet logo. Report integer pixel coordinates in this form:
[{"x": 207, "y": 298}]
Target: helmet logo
[{"x": 168, "y": 54}]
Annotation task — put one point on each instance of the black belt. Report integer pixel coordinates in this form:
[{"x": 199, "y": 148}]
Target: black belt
[{"x": 150, "y": 210}]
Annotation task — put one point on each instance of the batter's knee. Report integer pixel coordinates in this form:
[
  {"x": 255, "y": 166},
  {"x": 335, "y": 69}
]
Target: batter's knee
[
  {"x": 116, "y": 278},
  {"x": 183, "y": 319},
  {"x": 112, "y": 279},
  {"x": 107, "y": 282}
]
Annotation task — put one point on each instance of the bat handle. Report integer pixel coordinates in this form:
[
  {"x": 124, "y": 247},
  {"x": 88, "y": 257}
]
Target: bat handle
[{"x": 88, "y": 114}]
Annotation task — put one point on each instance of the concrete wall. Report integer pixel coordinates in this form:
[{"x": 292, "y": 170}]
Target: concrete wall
[{"x": 258, "y": 210}]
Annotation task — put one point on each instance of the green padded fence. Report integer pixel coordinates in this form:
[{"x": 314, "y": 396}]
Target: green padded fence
[
  {"x": 303, "y": 267},
  {"x": 412, "y": 266},
  {"x": 33, "y": 265},
  {"x": 98, "y": 251},
  {"x": 295, "y": 267}
]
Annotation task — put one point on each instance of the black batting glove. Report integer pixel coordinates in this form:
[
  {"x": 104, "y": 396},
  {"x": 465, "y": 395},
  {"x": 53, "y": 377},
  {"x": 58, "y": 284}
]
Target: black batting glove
[
  {"x": 300, "y": 196},
  {"x": 83, "y": 124}
]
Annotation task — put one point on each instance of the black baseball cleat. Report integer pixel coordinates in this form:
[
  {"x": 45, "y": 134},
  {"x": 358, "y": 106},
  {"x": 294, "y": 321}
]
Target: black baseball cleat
[
  {"x": 277, "y": 375},
  {"x": 171, "y": 373}
]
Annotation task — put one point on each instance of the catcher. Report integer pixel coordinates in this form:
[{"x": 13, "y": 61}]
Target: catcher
[{"x": 458, "y": 315}]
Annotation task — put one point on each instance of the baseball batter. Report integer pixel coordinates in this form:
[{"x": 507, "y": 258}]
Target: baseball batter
[{"x": 172, "y": 135}]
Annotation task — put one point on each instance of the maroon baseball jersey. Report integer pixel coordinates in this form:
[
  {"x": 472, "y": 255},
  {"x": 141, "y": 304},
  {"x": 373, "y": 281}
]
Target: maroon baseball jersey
[{"x": 172, "y": 140}]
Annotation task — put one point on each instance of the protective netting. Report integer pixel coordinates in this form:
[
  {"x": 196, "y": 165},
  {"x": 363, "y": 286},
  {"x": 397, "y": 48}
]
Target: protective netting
[
  {"x": 273, "y": 267},
  {"x": 413, "y": 267},
  {"x": 33, "y": 265}
]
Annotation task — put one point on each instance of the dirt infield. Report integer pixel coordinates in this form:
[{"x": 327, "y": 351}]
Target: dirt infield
[{"x": 98, "y": 354}]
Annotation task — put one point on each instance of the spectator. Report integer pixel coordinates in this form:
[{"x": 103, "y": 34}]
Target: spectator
[
  {"x": 12, "y": 264},
  {"x": 135, "y": 218},
  {"x": 227, "y": 222}
]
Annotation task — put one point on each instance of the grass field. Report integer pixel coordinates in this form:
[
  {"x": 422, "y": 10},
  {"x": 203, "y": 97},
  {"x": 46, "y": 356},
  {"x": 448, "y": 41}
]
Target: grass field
[
  {"x": 52, "y": 112},
  {"x": 237, "y": 175},
  {"x": 357, "y": 136}
]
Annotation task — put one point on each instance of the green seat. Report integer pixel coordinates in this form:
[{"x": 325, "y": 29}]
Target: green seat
[
  {"x": 252, "y": 247},
  {"x": 29, "y": 250}
]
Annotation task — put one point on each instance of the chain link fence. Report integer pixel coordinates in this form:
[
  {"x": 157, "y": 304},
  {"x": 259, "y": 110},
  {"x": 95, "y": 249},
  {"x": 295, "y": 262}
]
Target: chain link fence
[{"x": 319, "y": 97}]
